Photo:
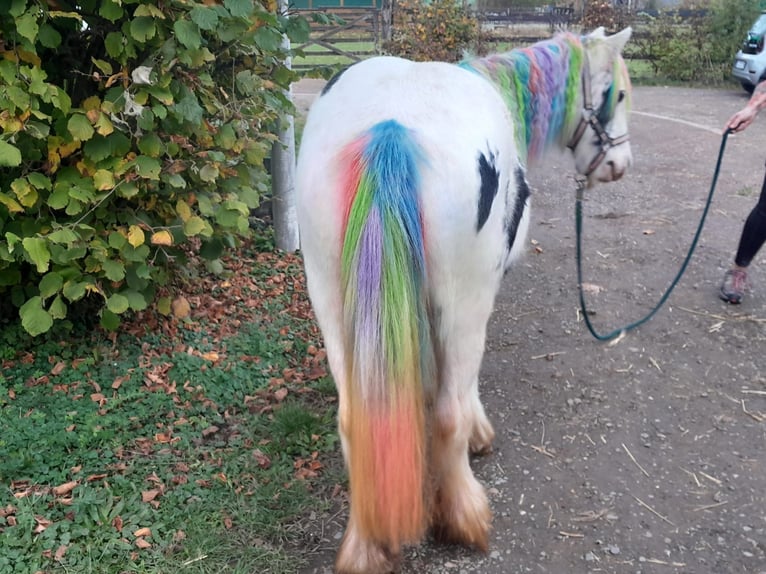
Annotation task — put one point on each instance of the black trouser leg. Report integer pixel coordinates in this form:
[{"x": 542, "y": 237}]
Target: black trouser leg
[{"x": 754, "y": 233}]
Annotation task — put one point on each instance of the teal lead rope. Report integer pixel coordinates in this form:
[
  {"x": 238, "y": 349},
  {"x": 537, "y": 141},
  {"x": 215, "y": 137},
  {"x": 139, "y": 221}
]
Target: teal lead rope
[{"x": 578, "y": 226}]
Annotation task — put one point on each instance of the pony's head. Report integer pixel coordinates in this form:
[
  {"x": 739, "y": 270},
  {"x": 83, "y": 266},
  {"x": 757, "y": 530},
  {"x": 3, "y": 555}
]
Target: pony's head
[{"x": 599, "y": 141}]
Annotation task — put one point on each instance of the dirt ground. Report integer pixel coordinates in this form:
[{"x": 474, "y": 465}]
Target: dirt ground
[{"x": 648, "y": 455}]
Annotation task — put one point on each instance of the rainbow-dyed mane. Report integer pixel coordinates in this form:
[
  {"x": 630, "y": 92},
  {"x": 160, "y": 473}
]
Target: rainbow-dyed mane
[
  {"x": 541, "y": 85},
  {"x": 413, "y": 201}
]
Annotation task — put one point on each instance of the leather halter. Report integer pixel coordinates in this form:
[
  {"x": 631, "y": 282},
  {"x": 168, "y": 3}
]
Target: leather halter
[{"x": 590, "y": 118}]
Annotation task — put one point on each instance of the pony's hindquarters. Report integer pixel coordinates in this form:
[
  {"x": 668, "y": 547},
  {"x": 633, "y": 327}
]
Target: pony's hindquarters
[
  {"x": 369, "y": 294},
  {"x": 409, "y": 212}
]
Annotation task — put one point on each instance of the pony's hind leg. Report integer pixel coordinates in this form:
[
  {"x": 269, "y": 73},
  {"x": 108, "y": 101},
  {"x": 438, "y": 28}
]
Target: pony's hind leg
[
  {"x": 461, "y": 510},
  {"x": 482, "y": 433},
  {"x": 359, "y": 555}
]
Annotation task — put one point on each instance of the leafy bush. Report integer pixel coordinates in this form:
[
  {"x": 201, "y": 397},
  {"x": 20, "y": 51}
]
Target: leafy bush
[
  {"x": 700, "y": 48},
  {"x": 131, "y": 130},
  {"x": 599, "y": 13},
  {"x": 439, "y": 30}
]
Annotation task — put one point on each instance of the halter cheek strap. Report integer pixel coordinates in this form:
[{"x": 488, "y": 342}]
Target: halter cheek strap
[{"x": 590, "y": 118}]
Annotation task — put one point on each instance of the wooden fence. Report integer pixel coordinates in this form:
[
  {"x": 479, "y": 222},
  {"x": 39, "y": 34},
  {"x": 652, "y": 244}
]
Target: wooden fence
[
  {"x": 351, "y": 35},
  {"x": 355, "y": 33}
]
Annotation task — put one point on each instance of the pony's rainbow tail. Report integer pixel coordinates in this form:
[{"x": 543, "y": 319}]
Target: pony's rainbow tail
[{"x": 387, "y": 331}]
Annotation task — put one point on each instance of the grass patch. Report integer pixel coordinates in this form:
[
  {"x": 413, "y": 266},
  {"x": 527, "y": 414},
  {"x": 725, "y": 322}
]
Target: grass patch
[{"x": 180, "y": 445}]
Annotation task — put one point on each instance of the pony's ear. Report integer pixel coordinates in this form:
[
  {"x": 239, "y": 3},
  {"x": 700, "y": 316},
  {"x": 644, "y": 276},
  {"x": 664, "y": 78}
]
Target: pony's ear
[
  {"x": 617, "y": 41},
  {"x": 598, "y": 33}
]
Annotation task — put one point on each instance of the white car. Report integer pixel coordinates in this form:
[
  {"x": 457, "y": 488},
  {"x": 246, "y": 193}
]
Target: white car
[{"x": 750, "y": 62}]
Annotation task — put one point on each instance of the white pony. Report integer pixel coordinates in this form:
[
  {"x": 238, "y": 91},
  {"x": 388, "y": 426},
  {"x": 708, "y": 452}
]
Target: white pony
[{"x": 412, "y": 203}]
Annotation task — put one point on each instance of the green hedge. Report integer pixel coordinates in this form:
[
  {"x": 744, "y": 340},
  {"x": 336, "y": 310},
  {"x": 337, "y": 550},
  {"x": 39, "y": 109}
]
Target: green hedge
[{"x": 132, "y": 131}]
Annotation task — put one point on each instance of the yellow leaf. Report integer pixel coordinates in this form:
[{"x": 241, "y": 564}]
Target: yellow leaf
[
  {"x": 103, "y": 125},
  {"x": 91, "y": 103},
  {"x": 181, "y": 307},
  {"x": 183, "y": 210},
  {"x": 103, "y": 179},
  {"x": 163, "y": 306},
  {"x": 136, "y": 236},
  {"x": 162, "y": 237},
  {"x": 143, "y": 532}
]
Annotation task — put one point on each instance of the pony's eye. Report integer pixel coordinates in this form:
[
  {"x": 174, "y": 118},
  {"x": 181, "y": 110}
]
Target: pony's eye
[{"x": 620, "y": 96}]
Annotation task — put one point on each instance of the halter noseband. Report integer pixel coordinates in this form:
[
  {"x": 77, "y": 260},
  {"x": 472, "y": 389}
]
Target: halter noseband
[{"x": 590, "y": 118}]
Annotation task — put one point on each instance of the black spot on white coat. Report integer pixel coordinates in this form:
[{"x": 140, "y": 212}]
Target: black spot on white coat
[
  {"x": 516, "y": 212},
  {"x": 490, "y": 179}
]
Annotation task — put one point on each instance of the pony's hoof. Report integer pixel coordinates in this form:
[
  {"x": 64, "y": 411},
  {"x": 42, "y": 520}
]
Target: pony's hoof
[
  {"x": 464, "y": 519},
  {"x": 359, "y": 556},
  {"x": 482, "y": 436}
]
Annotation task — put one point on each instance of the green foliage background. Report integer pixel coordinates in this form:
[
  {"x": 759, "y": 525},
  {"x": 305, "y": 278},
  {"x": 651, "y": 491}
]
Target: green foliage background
[
  {"x": 131, "y": 131},
  {"x": 700, "y": 49}
]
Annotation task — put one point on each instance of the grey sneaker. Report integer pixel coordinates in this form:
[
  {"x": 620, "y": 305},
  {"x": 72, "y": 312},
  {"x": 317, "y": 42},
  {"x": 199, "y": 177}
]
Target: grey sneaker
[{"x": 733, "y": 286}]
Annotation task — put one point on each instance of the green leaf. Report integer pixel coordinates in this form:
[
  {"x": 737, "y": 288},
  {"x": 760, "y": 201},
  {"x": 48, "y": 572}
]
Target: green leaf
[
  {"x": 63, "y": 236},
  {"x": 212, "y": 249},
  {"x": 298, "y": 30},
  {"x": 239, "y": 8},
  {"x": 174, "y": 180},
  {"x": 249, "y": 196},
  {"x": 117, "y": 303},
  {"x": 73, "y": 290},
  {"x": 194, "y": 226},
  {"x": 80, "y": 128},
  {"x": 143, "y": 28},
  {"x": 187, "y": 33},
  {"x": 10, "y": 155},
  {"x": 189, "y": 109},
  {"x": 34, "y": 318},
  {"x": 136, "y": 300},
  {"x": 37, "y": 249},
  {"x": 58, "y": 308},
  {"x": 114, "y": 44},
  {"x": 110, "y": 10},
  {"x": 204, "y": 17},
  {"x": 148, "y": 167},
  {"x": 150, "y": 144},
  {"x": 38, "y": 130},
  {"x": 208, "y": 173},
  {"x": 49, "y": 36},
  {"x": 104, "y": 66},
  {"x": 117, "y": 240},
  {"x": 39, "y": 180},
  {"x": 59, "y": 199},
  {"x": 51, "y": 284},
  {"x": 268, "y": 38},
  {"x": 97, "y": 149},
  {"x": 17, "y": 8},
  {"x": 113, "y": 270},
  {"x": 20, "y": 98},
  {"x": 26, "y": 26},
  {"x": 128, "y": 190},
  {"x": 109, "y": 321}
]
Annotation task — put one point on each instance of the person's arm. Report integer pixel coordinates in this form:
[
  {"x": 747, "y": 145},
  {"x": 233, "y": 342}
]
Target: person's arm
[{"x": 744, "y": 117}]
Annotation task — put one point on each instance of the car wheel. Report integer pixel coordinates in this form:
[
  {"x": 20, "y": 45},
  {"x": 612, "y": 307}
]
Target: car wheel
[{"x": 748, "y": 87}]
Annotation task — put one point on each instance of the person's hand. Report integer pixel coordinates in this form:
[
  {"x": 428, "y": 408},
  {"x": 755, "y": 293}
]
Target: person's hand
[{"x": 743, "y": 118}]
